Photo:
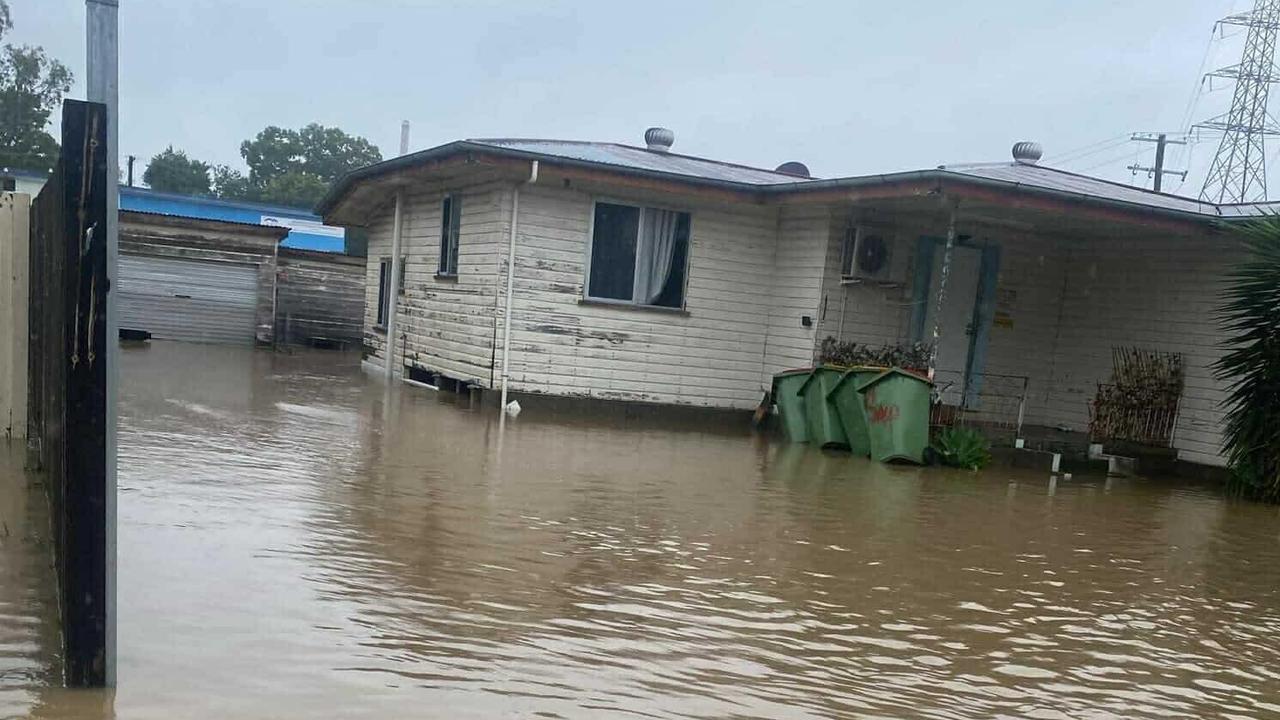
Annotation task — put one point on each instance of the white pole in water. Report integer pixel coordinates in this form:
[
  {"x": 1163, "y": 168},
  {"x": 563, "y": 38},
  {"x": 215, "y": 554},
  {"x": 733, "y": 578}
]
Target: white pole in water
[
  {"x": 103, "y": 86},
  {"x": 393, "y": 286}
]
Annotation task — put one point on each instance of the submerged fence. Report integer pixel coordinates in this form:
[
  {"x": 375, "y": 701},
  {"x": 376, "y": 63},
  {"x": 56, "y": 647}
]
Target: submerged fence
[{"x": 67, "y": 366}]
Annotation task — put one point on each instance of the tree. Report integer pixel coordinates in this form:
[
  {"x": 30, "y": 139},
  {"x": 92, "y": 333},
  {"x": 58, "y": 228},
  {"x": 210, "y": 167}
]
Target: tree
[
  {"x": 172, "y": 171},
  {"x": 297, "y": 189},
  {"x": 1251, "y": 367},
  {"x": 296, "y": 167},
  {"x": 31, "y": 87},
  {"x": 231, "y": 184}
]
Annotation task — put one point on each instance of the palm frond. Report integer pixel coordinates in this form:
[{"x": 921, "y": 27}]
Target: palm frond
[{"x": 1250, "y": 312}]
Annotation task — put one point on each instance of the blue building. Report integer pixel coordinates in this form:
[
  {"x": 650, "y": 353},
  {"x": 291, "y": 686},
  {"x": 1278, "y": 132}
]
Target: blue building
[{"x": 306, "y": 231}]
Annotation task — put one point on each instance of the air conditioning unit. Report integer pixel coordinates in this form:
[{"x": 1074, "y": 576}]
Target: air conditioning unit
[{"x": 870, "y": 256}]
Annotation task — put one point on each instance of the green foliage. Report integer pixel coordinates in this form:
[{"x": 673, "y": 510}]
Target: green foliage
[
  {"x": 231, "y": 184},
  {"x": 296, "y": 189},
  {"x": 908, "y": 356},
  {"x": 962, "y": 448},
  {"x": 31, "y": 87},
  {"x": 1251, "y": 367},
  {"x": 296, "y": 167},
  {"x": 172, "y": 171},
  {"x": 286, "y": 167}
]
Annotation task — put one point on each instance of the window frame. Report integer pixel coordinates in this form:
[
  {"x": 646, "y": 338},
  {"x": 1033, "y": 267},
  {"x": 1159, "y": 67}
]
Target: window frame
[
  {"x": 588, "y": 298},
  {"x": 849, "y": 250},
  {"x": 450, "y": 235}
]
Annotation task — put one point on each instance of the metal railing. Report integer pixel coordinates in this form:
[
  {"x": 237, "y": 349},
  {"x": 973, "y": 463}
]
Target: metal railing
[{"x": 993, "y": 403}]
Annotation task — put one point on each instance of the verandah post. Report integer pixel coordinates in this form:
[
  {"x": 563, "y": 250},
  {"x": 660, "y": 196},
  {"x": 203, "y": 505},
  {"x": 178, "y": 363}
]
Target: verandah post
[{"x": 942, "y": 289}]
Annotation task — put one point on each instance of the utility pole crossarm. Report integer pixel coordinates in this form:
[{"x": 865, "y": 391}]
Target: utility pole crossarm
[{"x": 1157, "y": 171}]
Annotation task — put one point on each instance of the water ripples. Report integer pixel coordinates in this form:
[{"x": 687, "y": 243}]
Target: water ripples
[{"x": 310, "y": 546}]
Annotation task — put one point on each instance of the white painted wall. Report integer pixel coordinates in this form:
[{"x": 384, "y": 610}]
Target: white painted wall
[
  {"x": 754, "y": 272},
  {"x": 15, "y": 230},
  {"x": 710, "y": 356},
  {"x": 447, "y": 325},
  {"x": 1070, "y": 301},
  {"x": 1156, "y": 293},
  {"x": 799, "y": 281}
]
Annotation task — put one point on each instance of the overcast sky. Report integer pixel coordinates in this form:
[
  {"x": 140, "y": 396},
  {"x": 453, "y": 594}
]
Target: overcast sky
[{"x": 847, "y": 87}]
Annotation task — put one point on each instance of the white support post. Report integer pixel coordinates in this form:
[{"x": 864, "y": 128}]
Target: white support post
[
  {"x": 942, "y": 292},
  {"x": 393, "y": 286}
]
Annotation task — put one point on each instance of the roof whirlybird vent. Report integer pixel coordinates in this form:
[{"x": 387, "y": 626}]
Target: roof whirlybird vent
[
  {"x": 798, "y": 169},
  {"x": 1027, "y": 152},
  {"x": 659, "y": 139}
]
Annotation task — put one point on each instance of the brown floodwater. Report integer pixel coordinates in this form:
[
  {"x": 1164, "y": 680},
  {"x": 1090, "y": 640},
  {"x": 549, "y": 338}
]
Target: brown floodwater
[{"x": 296, "y": 542}]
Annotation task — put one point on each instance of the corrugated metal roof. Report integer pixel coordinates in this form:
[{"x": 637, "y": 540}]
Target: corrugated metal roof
[
  {"x": 627, "y": 159},
  {"x": 626, "y": 156},
  {"x": 1047, "y": 178},
  {"x": 1244, "y": 210}
]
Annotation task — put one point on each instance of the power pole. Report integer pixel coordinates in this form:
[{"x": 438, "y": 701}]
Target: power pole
[
  {"x": 102, "y": 81},
  {"x": 1157, "y": 171},
  {"x": 1239, "y": 173}
]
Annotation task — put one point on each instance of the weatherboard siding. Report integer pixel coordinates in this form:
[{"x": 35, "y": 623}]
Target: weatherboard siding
[
  {"x": 711, "y": 355},
  {"x": 1158, "y": 293},
  {"x": 319, "y": 296},
  {"x": 1068, "y": 302},
  {"x": 870, "y": 314},
  {"x": 796, "y": 289},
  {"x": 443, "y": 325}
]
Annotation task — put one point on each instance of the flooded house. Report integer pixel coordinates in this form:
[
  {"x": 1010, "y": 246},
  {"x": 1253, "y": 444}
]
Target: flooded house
[{"x": 634, "y": 273}]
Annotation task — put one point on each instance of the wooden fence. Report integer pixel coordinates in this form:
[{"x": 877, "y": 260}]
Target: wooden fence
[{"x": 67, "y": 381}]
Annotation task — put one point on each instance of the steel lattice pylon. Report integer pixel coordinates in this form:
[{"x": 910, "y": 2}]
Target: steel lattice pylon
[{"x": 1239, "y": 171}]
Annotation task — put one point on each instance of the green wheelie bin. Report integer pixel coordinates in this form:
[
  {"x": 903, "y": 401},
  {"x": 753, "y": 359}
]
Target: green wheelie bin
[
  {"x": 786, "y": 395},
  {"x": 825, "y": 429},
  {"x": 896, "y": 404},
  {"x": 848, "y": 404}
]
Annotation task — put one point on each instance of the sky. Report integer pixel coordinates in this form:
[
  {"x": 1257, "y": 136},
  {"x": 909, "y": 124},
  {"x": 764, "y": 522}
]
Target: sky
[{"x": 849, "y": 87}]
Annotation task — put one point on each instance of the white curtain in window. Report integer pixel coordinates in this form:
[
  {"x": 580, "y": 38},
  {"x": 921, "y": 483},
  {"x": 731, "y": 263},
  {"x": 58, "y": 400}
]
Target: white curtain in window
[{"x": 656, "y": 251}]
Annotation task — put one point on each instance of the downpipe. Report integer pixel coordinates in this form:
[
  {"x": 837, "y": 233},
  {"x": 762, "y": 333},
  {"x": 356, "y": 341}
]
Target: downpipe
[{"x": 511, "y": 277}]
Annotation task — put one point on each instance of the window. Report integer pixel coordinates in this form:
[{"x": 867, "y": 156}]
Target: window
[
  {"x": 638, "y": 255},
  {"x": 384, "y": 297},
  {"x": 847, "y": 249},
  {"x": 384, "y": 285},
  {"x": 450, "y": 224}
]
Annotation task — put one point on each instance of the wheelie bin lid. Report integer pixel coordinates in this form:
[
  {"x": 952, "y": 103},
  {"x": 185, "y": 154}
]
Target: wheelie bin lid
[
  {"x": 852, "y": 372},
  {"x": 813, "y": 373},
  {"x": 796, "y": 371},
  {"x": 863, "y": 387}
]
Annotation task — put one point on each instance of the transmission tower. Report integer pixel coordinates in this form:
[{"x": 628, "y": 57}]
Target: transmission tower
[{"x": 1239, "y": 172}]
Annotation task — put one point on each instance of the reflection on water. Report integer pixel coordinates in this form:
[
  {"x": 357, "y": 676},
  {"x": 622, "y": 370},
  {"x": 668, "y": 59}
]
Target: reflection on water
[{"x": 296, "y": 542}]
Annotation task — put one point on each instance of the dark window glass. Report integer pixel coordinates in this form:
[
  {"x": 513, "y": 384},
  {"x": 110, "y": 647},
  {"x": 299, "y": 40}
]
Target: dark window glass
[
  {"x": 384, "y": 297},
  {"x": 450, "y": 230},
  {"x": 613, "y": 251},
  {"x": 673, "y": 291}
]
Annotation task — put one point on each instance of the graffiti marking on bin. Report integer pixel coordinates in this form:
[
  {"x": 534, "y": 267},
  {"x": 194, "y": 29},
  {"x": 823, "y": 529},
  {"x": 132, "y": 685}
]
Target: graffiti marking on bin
[{"x": 880, "y": 414}]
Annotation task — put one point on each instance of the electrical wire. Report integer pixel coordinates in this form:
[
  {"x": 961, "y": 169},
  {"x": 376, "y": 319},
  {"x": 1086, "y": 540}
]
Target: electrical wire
[
  {"x": 1109, "y": 161},
  {"x": 1084, "y": 151}
]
